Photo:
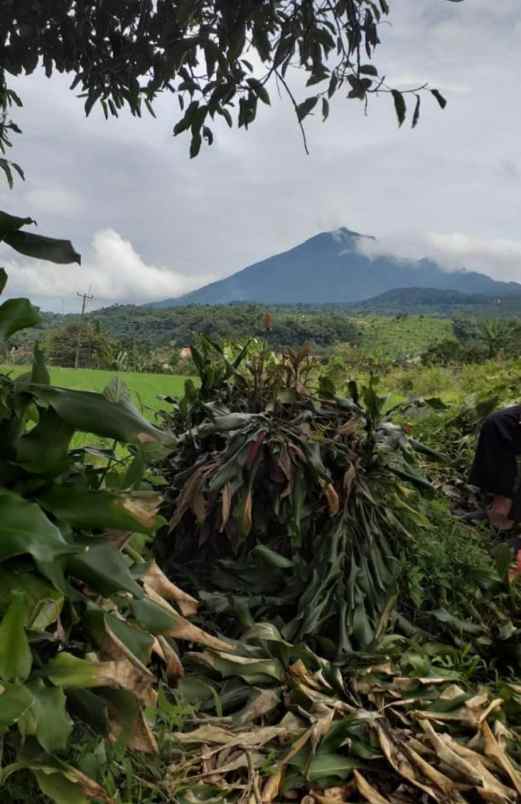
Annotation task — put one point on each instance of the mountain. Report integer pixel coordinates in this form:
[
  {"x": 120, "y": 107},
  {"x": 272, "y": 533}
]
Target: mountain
[{"x": 331, "y": 268}]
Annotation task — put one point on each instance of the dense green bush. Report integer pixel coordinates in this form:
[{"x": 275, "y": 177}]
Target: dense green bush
[{"x": 450, "y": 351}]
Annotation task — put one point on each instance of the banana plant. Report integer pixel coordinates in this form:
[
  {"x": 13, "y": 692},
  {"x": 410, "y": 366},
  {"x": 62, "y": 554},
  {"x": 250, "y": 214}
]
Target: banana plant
[{"x": 84, "y": 618}]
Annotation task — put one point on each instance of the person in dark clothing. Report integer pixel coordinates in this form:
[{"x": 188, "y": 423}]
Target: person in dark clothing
[{"x": 495, "y": 469}]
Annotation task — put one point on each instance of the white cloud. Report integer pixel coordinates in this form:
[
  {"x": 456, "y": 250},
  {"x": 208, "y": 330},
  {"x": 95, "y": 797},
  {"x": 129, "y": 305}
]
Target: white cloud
[
  {"x": 497, "y": 257},
  {"x": 112, "y": 272}
]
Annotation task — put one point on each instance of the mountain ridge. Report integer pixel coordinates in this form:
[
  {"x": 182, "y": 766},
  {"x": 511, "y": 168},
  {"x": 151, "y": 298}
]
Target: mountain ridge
[{"x": 330, "y": 268}]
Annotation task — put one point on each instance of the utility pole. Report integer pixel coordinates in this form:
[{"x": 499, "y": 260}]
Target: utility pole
[{"x": 85, "y": 297}]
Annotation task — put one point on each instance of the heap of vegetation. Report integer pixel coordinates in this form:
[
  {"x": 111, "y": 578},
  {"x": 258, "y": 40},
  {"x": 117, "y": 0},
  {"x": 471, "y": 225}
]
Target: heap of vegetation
[{"x": 300, "y": 519}]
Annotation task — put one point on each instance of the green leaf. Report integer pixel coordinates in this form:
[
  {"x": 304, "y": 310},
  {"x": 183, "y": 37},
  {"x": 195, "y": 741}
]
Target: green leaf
[
  {"x": 325, "y": 765},
  {"x": 91, "y": 708},
  {"x": 135, "y": 472},
  {"x": 416, "y": 115},
  {"x": 59, "y": 789},
  {"x": 11, "y": 223},
  {"x": 325, "y": 109},
  {"x": 16, "y": 658},
  {"x": 186, "y": 121},
  {"x": 271, "y": 557},
  {"x": 96, "y": 510},
  {"x": 131, "y": 639},
  {"x": 153, "y": 617},
  {"x": 368, "y": 69},
  {"x": 306, "y": 107},
  {"x": 253, "y": 671},
  {"x": 58, "y": 780},
  {"x": 399, "y": 105},
  {"x": 47, "y": 718},
  {"x": 15, "y": 700},
  {"x": 42, "y": 248},
  {"x": 66, "y": 670},
  {"x": 43, "y": 602},
  {"x": 45, "y": 449},
  {"x": 105, "y": 570},
  {"x": 195, "y": 145},
  {"x": 92, "y": 413},
  {"x": 437, "y": 94},
  {"x": 24, "y": 529},
  {"x": 464, "y": 626},
  {"x": 260, "y": 90},
  {"x": 16, "y": 314}
]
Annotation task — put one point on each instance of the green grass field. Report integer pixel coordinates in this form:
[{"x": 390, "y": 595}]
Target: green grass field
[{"x": 145, "y": 389}]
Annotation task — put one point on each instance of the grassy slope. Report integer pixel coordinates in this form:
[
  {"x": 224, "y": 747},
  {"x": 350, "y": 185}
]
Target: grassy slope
[
  {"x": 145, "y": 388},
  {"x": 392, "y": 337}
]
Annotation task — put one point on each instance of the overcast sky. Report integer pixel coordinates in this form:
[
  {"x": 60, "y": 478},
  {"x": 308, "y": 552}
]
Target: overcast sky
[{"x": 151, "y": 223}]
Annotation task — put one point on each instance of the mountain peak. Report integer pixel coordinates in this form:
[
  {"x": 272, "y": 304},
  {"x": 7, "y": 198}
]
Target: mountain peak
[
  {"x": 329, "y": 268},
  {"x": 343, "y": 233}
]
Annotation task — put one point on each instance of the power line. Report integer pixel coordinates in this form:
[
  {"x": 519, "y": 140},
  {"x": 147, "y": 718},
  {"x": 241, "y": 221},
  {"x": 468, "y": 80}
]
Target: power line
[{"x": 85, "y": 297}]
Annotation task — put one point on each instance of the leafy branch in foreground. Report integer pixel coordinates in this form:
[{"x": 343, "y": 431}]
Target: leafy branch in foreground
[
  {"x": 82, "y": 615},
  {"x": 32, "y": 245},
  {"x": 218, "y": 57}
]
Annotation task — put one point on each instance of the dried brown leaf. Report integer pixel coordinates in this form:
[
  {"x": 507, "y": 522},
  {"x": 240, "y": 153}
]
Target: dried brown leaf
[
  {"x": 166, "y": 652},
  {"x": 188, "y": 492},
  {"x": 89, "y": 788},
  {"x": 272, "y": 787},
  {"x": 144, "y": 509},
  {"x": 400, "y": 763},
  {"x": 366, "y": 790},
  {"x": 445, "y": 784},
  {"x": 209, "y": 733},
  {"x": 226, "y": 505},
  {"x": 157, "y": 581},
  {"x": 494, "y": 750},
  {"x": 247, "y": 517},
  {"x": 184, "y": 629},
  {"x": 333, "y": 500},
  {"x": 470, "y": 769}
]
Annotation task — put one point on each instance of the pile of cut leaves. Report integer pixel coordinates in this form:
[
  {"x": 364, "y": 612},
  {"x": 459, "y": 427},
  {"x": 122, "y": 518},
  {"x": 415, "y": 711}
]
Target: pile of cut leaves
[
  {"x": 298, "y": 507},
  {"x": 290, "y": 510},
  {"x": 275, "y": 722}
]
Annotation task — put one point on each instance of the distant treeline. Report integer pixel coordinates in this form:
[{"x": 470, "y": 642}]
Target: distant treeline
[
  {"x": 155, "y": 334},
  {"x": 289, "y": 326}
]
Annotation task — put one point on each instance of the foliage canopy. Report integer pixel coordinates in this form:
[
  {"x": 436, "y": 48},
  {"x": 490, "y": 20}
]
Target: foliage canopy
[{"x": 217, "y": 56}]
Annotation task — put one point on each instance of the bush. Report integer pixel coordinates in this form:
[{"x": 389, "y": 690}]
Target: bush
[
  {"x": 448, "y": 565},
  {"x": 450, "y": 351}
]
